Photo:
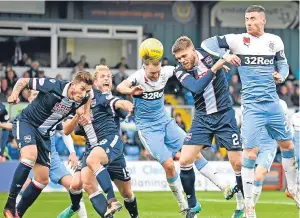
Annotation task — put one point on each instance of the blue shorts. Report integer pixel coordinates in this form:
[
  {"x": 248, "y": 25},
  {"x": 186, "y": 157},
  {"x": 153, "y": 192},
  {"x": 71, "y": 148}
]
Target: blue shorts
[
  {"x": 267, "y": 150},
  {"x": 58, "y": 169},
  {"x": 163, "y": 140},
  {"x": 257, "y": 116},
  {"x": 26, "y": 134},
  {"x": 221, "y": 124}
]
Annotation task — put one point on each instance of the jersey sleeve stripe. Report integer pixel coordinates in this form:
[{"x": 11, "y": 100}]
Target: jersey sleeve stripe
[{"x": 34, "y": 84}]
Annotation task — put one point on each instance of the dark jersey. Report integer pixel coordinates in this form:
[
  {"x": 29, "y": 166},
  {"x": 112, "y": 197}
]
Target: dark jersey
[
  {"x": 102, "y": 116},
  {"x": 51, "y": 105},
  {"x": 214, "y": 96},
  {"x": 4, "y": 117}
]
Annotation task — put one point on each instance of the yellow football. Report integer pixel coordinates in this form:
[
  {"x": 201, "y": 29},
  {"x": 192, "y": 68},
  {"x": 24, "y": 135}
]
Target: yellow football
[{"x": 151, "y": 49}]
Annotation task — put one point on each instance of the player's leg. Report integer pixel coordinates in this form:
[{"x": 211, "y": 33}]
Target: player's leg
[
  {"x": 25, "y": 136},
  {"x": 28, "y": 181},
  {"x": 120, "y": 176},
  {"x": 154, "y": 141},
  {"x": 254, "y": 122},
  {"x": 228, "y": 136},
  {"x": 34, "y": 189},
  {"x": 90, "y": 185},
  {"x": 76, "y": 185},
  {"x": 111, "y": 148},
  {"x": 59, "y": 174},
  {"x": 278, "y": 129}
]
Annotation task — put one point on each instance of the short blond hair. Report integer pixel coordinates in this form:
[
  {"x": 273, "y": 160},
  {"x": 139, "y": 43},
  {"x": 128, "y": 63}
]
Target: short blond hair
[
  {"x": 181, "y": 43},
  {"x": 100, "y": 68},
  {"x": 148, "y": 61}
]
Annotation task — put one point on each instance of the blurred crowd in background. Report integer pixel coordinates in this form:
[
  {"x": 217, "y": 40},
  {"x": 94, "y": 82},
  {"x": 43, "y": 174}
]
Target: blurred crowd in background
[{"x": 134, "y": 150}]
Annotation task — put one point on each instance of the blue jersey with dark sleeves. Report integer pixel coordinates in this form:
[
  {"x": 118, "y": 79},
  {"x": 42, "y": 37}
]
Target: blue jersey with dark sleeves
[
  {"x": 4, "y": 117},
  {"x": 210, "y": 92},
  {"x": 102, "y": 117},
  {"x": 50, "y": 106}
]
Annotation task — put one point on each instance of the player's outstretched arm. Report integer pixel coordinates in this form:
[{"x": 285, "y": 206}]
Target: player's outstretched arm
[
  {"x": 198, "y": 85},
  {"x": 19, "y": 86},
  {"x": 126, "y": 88},
  {"x": 124, "y": 105},
  {"x": 220, "y": 46},
  {"x": 72, "y": 160},
  {"x": 7, "y": 126},
  {"x": 70, "y": 124}
]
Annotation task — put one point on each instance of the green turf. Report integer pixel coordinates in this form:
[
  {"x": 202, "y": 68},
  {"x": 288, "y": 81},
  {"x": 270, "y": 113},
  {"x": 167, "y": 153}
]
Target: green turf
[{"x": 163, "y": 205}]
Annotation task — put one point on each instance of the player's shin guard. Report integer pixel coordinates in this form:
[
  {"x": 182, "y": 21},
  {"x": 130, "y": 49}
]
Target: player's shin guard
[
  {"x": 19, "y": 179},
  {"x": 290, "y": 169},
  {"x": 104, "y": 181},
  {"x": 99, "y": 203},
  {"x": 30, "y": 194},
  {"x": 248, "y": 180},
  {"x": 187, "y": 176},
  {"x": 257, "y": 190},
  {"x": 131, "y": 206},
  {"x": 209, "y": 172},
  {"x": 75, "y": 199},
  {"x": 176, "y": 188}
]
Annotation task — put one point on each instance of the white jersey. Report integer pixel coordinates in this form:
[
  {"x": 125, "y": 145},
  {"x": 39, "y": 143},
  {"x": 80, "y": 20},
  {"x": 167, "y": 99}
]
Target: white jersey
[
  {"x": 258, "y": 56},
  {"x": 149, "y": 107}
]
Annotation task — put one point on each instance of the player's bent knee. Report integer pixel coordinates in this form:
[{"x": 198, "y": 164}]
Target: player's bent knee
[
  {"x": 169, "y": 166},
  {"x": 286, "y": 145},
  {"x": 250, "y": 153},
  {"x": 96, "y": 157}
]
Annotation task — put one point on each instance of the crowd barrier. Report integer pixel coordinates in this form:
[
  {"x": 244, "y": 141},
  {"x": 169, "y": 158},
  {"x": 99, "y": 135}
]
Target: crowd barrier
[{"x": 150, "y": 176}]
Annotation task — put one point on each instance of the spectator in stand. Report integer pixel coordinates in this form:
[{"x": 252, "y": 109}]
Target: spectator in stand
[
  {"x": 234, "y": 96},
  {"x": 24, "y": 95},
  {"x": 8, "y": 68},
  {"x": 4, "y": 86},
  {"x": 26, "y": 75},
  {"x": 102, "y": 61},
  {"x": 41, "y": 74},
  {"x": 58, "y": 77},
  {"x": 11, "y": 78},
  {"x": 28, "y": 63},
  {"x": 83, "y": 61},
  {"x": 3, "y": 97},
  {"x": 79, "y": 67},
  {"x": 123, "y": 62},
  {"x": 179, "y": 121},
  {"x": 34, "y": 69},
  {"x": 24, "y": 60},
  {"x": 290, "y": 87},
  {"x": 284, "y": 95},
  {"x": 295, "y": 96},
  {"x": 68, "y": 62},
  {"x": 120, "y": 76},
  {"x": 235, "y": 83},
  {"x": 165, "y": 61}
]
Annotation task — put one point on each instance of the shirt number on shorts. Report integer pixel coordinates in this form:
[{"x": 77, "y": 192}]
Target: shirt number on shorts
[
  {"x": 287, "y": 126},
  {"x": 235, "y": 139}
]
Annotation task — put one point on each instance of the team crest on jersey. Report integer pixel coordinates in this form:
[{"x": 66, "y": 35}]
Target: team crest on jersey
[
  {"x": 271, "y": 46},
  {"x": 27, "y": 138},
  {"x": 246, "y": 41},
  {"x": 52, "y": 80},
  {"x": 41, "y": 81},
  {"x": 188, "y": 136},
  {"x": 208, "y": 61}
]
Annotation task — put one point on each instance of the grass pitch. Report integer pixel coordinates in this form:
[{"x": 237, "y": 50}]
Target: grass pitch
[{"x": 163, "y": 205}]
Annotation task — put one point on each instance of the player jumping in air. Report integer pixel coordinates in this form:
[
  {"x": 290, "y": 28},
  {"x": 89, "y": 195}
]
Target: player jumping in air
[
  {"x": 204, "y": 77},
  {"x": 159, "y": 133},
  {"x": 105, "y": 147},
  {"x": 255, "y": 53}
]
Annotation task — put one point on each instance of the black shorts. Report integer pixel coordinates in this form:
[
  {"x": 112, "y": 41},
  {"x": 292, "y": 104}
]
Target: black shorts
[
  {"x": 117, "y": 164},
  {"x": 26, "y": 134},
  {"x": 221, "y": 124}
]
